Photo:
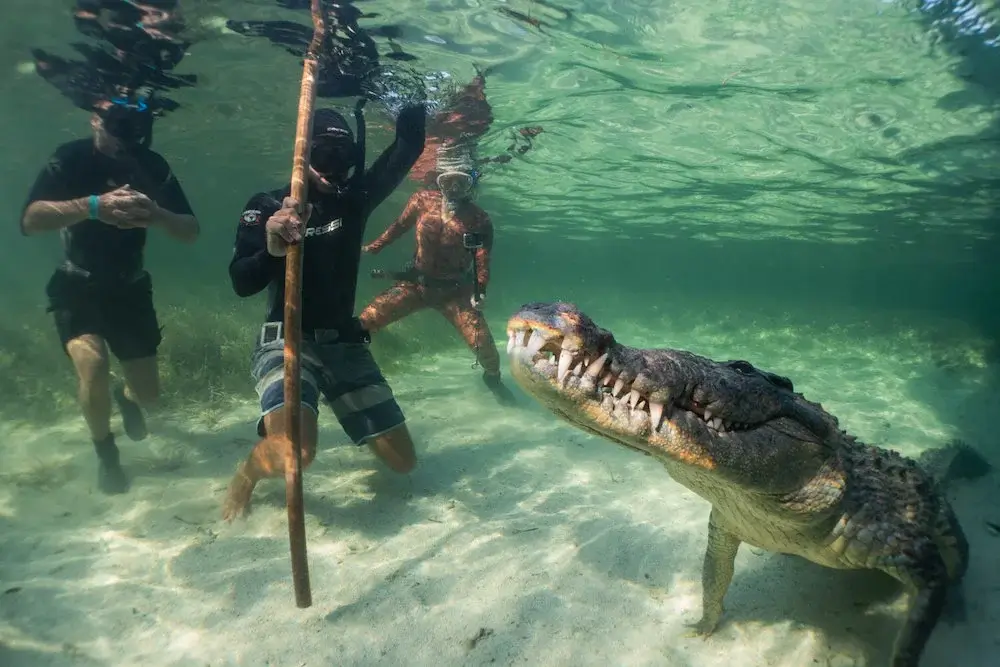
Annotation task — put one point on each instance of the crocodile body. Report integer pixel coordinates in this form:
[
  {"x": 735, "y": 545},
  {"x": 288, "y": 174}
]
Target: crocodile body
[{"x": 778, "y": 471}]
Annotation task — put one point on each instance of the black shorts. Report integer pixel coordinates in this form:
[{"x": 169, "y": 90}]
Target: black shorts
[{"x": 121, "y": 314}]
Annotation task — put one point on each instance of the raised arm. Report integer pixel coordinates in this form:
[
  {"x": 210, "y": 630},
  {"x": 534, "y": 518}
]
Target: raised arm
[
  {"x": 391, "y": 167},
  {"x": 402, "y": 224},
  {"x": 252, "y": 267}
]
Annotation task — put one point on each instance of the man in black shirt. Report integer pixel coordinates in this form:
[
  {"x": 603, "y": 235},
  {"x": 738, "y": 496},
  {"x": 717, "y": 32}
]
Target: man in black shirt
[
  {"x": 336, "y": 361},
  {"x": 102, "y": 195}
]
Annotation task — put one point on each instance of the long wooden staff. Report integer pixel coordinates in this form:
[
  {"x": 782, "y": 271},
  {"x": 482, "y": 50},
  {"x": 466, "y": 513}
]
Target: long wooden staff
[{"x": 293, "y": 319}]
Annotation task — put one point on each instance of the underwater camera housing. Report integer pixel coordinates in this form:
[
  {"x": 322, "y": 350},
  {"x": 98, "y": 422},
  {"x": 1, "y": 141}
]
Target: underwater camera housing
[{"x": 472, "y": 240}]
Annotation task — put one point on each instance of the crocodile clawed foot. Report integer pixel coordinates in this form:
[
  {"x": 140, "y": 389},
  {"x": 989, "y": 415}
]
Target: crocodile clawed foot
[{"x": 703, "y": 628}]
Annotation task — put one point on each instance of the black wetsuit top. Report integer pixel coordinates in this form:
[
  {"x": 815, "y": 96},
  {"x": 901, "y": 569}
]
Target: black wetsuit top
[
  {"x": 77, "y": 169},
  {"x": 332, "y": 244}
]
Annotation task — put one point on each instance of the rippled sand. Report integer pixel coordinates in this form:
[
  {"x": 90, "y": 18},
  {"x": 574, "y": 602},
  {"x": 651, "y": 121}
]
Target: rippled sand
[{"x": 518, "y": 540}]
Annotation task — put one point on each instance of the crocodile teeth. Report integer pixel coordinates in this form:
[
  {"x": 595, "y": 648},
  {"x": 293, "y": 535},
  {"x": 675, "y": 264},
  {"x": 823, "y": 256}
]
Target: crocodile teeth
[
  {"x": 633, "y": 398},
  {"x": 708, "y": 415},
  {"x": 716, "y": 423},
  {"x": 511, "y": 343},
  {"x": 565, "y": 362},
  {"x": 655, "y": 414},
  {"x": 608, "y": 380},
  {"x": 594, "y": 369},
  {"x": 535, "y": 343},
  {"x": 619, "y": 385}
]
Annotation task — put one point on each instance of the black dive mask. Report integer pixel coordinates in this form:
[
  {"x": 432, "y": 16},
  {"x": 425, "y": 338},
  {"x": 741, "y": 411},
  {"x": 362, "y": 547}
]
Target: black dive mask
[
  {"x": 333, "y": 156},
  {"x": 129, "y": 122}
]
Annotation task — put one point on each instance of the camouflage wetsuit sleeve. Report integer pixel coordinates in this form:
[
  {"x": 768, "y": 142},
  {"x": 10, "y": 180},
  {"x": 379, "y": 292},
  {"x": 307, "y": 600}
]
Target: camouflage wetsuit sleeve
[
  {"x": 403, "y": 224},
  {"x": 252, "y": 267}
]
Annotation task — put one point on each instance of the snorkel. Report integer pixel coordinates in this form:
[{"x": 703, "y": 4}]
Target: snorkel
[{"x": 358, "y": 180}]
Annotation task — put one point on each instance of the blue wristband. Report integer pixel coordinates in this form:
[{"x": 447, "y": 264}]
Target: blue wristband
[{"x": 94, "y": 202}]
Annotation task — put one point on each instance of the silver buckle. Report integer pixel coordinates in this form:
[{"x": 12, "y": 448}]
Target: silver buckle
[{"x": 270, "y": 332}]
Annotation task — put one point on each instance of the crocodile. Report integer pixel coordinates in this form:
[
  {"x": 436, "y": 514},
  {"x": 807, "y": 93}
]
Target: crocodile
[{"x": 779, "y": 472}]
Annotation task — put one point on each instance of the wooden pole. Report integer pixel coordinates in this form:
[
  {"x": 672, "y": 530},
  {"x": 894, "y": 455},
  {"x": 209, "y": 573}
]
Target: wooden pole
[{"x": 293, "y": 319}]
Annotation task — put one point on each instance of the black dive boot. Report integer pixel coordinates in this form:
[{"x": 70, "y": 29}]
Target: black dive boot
[
  {"x": 132, "y": 419},
  {"x": 111, "y": 478},
  {"x": 499, "y": 389}
]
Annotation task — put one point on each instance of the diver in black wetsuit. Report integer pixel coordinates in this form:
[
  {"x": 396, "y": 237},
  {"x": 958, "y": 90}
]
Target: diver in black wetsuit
[
  {"x": 336, "y": 361},
  {"x": 102, "y": 195}
]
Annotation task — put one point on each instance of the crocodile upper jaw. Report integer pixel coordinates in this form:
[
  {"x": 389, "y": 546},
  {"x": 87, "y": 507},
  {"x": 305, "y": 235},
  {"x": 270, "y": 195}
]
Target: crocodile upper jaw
[
  {"x": 582, "y": 390},
  {"x": 661, "y": 402}
]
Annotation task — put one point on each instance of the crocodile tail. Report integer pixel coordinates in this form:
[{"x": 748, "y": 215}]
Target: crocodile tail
[{"x": 956, "y": 460}]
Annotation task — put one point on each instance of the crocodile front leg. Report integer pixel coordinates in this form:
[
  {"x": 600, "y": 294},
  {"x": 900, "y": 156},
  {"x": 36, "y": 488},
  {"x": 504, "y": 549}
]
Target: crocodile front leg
[
  {"x": 716, "y": 575},
  {"x": 926, "y": 581}
]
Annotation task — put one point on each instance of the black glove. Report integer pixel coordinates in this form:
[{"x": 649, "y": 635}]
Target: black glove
[{"x": 412, "y": 121}]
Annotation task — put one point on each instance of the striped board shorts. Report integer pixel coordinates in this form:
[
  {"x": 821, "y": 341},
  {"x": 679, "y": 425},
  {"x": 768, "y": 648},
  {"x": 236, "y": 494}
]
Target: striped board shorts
[{"x": 346, "y": 375}]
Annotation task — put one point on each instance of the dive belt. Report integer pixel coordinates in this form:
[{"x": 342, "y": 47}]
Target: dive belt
[
  {"x": 353, "y": 332},
  {"x": 411, "y": 274}
]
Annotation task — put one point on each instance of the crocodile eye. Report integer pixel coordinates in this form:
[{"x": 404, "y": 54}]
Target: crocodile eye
[
  {"x": 743, "y": 367},
  {"x": 782, "y": 382}
]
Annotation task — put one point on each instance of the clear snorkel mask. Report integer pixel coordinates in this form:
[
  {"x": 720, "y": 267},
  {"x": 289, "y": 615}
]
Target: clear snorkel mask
[{"x": 458, "y": 184}]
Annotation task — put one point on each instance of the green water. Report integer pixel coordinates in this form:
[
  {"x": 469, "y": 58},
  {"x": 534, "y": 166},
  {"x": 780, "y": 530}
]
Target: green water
[{"x": 812, "y": 186}]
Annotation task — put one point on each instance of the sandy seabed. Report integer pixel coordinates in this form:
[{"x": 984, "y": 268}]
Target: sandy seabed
[{"x": 518, "y": 540}]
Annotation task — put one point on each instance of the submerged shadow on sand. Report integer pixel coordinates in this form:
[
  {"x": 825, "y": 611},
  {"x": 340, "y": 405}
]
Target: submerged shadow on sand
[
  {"x": 846, "y": 607},
  {"x": 36, "y": 657},
  {"x": 768, "y": 589},
  {"x": 858, "y": 613},
  {"x": 242, "y": 570}
]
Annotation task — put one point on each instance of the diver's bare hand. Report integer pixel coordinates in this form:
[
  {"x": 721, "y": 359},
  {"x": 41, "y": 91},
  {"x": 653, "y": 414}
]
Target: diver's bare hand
[
  {"x": 285, "y": 227},
  {"x": 125, "y": 208}
]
